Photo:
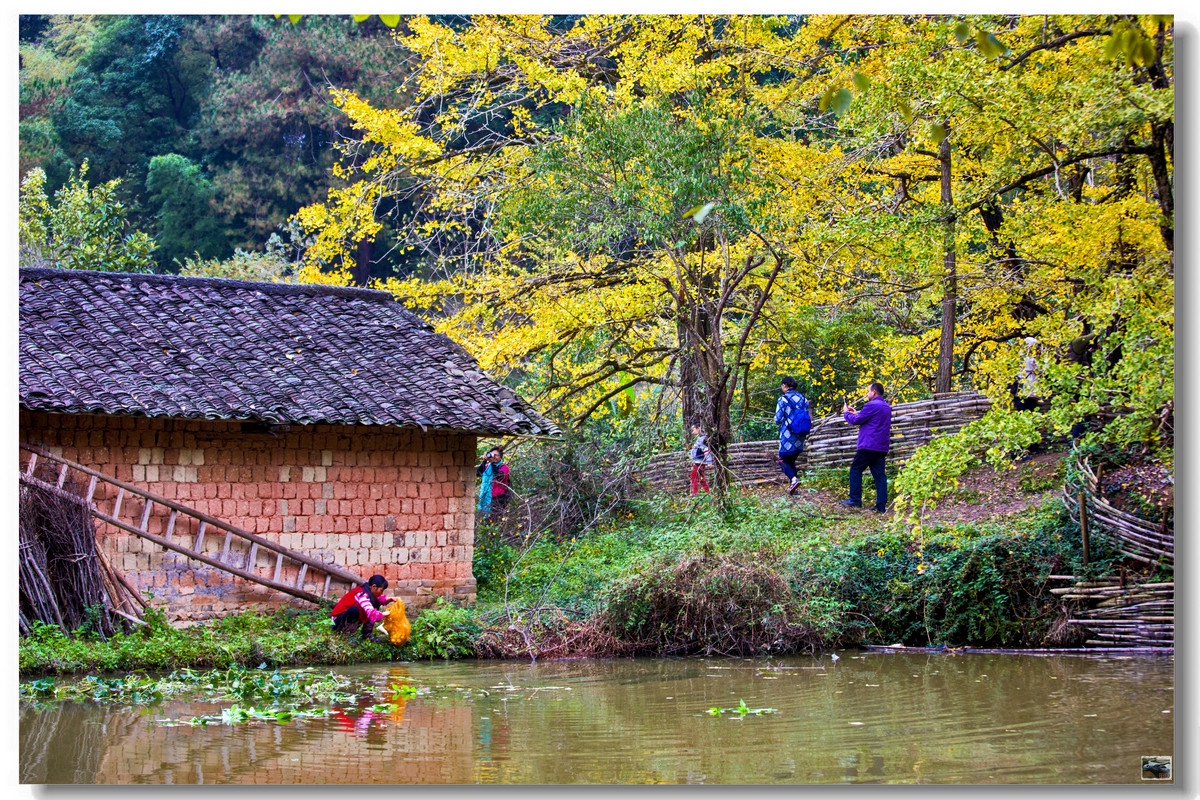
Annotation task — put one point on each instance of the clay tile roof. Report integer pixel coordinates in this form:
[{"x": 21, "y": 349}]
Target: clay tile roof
[{"x": 166, "y": 346}]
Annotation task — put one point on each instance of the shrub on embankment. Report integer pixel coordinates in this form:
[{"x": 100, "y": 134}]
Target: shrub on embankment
[
  {"x": 765, "y": 578},
  {"x": 768, "y": 578},
  {"x": 983, "y": 587}
]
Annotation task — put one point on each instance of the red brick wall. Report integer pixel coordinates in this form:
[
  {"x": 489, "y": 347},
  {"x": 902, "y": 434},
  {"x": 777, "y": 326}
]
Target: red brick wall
[{"x": 371, "y": 499}]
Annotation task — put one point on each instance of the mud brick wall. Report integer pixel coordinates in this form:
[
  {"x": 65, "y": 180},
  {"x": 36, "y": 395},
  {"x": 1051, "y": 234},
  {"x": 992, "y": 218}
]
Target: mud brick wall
[{"x": 371, "y": 499}]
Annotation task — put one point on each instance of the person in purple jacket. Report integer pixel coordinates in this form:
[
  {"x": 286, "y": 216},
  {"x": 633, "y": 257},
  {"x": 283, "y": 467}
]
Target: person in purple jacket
[{"x": 874, "y": 437}]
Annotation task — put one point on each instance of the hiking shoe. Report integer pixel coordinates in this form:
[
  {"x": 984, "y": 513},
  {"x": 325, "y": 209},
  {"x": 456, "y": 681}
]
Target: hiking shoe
[
  {"x": 795, "y": 485},
  {"x": 879, "y": 510},
  {"x": 851, "y": 504}
]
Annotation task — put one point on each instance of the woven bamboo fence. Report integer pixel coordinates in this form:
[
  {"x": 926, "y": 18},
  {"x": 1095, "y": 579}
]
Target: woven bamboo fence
[
  {"x": 830, "y": 444},
  {"x": 1124, "y": 615},
  {"x": 1141, "y": 540},
  {"x": 1117, "y": 613}
]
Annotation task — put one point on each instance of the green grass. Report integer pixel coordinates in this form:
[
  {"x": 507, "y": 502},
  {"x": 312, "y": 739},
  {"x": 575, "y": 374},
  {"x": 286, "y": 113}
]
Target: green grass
[
  {"x": 250, "y": 639},
  {"x": 979, "y": 584}
]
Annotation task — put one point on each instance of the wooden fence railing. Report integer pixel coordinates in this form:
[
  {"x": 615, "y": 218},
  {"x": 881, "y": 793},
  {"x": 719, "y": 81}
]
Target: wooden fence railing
[
  {"x": 830, "y": 444},
  {"x": 193, "y": 533},
  {"x": 1121, "y": 615},
  {"x": 1148, "y": 542},
  {"x": 1118, "y": 613}
]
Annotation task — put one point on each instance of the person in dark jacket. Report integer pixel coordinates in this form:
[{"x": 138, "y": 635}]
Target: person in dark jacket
[
  {"x": 874, "y": 439},
  {"x": 360, "y": 606}
]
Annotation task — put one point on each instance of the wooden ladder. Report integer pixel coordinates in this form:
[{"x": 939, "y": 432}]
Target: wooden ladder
[{"x": 240, "y": 551}]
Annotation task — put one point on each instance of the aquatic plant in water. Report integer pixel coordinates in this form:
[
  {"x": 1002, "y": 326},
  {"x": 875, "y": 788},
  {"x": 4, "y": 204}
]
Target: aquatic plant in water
[{"x": 741, "y": 709}]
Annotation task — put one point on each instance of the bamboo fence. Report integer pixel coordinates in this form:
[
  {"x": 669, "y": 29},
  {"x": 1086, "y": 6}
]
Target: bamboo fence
[
  {"x": 1117, "y": 613},
  {"x": 1148, "y": 542},
  {"x": 1124, "y": 615},
  {"x": 830, "y": 444}
]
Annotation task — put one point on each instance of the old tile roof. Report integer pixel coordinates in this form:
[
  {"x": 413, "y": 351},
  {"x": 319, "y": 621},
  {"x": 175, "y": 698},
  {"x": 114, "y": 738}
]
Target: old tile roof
[{"x": 166, "y": 346}]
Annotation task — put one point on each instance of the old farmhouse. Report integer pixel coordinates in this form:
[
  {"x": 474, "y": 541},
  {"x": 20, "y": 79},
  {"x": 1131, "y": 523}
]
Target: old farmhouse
[{"x": 331, "y": 421}]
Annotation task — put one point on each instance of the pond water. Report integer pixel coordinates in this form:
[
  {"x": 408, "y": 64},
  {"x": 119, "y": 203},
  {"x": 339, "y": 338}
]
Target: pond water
[{"x": 865, "y": 718}]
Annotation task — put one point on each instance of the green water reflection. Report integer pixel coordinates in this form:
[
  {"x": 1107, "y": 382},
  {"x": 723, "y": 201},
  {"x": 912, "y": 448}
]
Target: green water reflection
[{"x": 869, "y": 717}]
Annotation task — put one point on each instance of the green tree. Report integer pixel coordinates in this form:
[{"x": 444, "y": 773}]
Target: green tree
[
  {"x": 82, "y": 228},
  {"x": 179, "y": 198},
  {"x": 134, "y": 96},
  {"x": 50, "y": 50},
  {"x": 267, "y": 128}
]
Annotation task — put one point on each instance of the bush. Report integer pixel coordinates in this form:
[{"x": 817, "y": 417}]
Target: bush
[
  {"x": 959, "y": 586},
  {"x": 733, "y": 605},
  {"x": 444, "y": 631}
]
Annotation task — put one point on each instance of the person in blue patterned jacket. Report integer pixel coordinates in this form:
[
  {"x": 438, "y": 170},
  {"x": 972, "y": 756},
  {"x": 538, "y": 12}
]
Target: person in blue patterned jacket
[{"x": 791, "y": 444}]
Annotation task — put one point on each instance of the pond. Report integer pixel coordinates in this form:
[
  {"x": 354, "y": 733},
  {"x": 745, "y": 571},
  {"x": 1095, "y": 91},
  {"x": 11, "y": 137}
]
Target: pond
[{"x": 867, "y": 717}]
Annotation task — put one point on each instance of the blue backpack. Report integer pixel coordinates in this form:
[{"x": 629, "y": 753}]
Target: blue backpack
[{"x": 800, "y": 421}]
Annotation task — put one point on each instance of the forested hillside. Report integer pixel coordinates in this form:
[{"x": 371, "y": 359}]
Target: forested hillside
[{"x": 218, "y": 128}]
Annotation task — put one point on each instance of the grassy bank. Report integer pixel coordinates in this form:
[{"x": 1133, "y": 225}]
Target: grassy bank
[{"x": 678, "y": 577}]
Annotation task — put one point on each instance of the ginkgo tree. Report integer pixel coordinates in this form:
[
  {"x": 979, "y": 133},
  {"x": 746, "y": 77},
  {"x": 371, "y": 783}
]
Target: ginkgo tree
[
  {"x": 624, "y": 201},
  {"x": 608, "y": 205},
  {"x": 1020, "y": 177}
]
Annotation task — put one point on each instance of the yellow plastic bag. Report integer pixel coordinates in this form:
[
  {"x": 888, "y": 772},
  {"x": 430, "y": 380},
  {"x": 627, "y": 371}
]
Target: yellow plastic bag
[{"x": 396, "y": 624}]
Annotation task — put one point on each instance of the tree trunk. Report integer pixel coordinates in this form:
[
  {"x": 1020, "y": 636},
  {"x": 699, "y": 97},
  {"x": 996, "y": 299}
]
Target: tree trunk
[
  {"x": 362, "y": 262},
  {"x": 690, "y": 392},
  {"x": 945, "y": 370},
  {"x": 1162, "y": 182}
]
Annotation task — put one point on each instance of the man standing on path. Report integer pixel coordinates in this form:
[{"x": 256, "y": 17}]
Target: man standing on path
[
  {"x": 794, "y": 421},
  {"x": 874, "y": 437}
]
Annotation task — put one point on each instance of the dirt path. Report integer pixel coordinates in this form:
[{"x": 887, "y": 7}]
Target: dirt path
[{"x": 983, "y": 493}]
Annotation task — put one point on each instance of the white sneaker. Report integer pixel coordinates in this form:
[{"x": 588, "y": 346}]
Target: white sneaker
[{"x": 795, "y": 485}]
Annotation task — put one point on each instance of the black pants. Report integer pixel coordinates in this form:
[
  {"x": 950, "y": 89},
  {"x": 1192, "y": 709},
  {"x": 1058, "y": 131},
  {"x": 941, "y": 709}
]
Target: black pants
[
  {"x": 787, "y": 461},
  {"x": 872, "y": 459},
  {"x": 350, "y": 619}
]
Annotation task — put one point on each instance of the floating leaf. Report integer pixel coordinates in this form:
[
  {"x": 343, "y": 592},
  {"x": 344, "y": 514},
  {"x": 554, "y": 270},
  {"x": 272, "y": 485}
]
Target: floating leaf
[
  {"x": 391, "y": 20},
  {"x": 937, "y": 133},
  {"x": 1146, "y": 54},
  {"x": 988, "y": 44},
  {"x": 861, "y": 82},
  {"x": 826, "y": 98},
  {"x": 962, "y": 32},
  {"x": 841, "y": 101},
  {"x": 1112, "y": 47},
  {"x": 700, "y": 215}
]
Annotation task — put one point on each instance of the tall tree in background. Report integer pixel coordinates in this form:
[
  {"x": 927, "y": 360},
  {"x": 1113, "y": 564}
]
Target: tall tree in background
[
  {"x": 179, "y": 198},
  {"x": 131, "y": 99},
  {"x": 268, "y": 127}
]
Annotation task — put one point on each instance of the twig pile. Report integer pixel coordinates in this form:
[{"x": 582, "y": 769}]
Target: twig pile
[
  {"x": 64, "y": 579},
  {"x": 712, "y": 604},
  {"x": 551, "y": 636}
]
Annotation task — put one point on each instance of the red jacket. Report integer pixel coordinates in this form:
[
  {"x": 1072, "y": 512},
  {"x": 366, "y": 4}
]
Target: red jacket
[{"x": 366, "y": 609}]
